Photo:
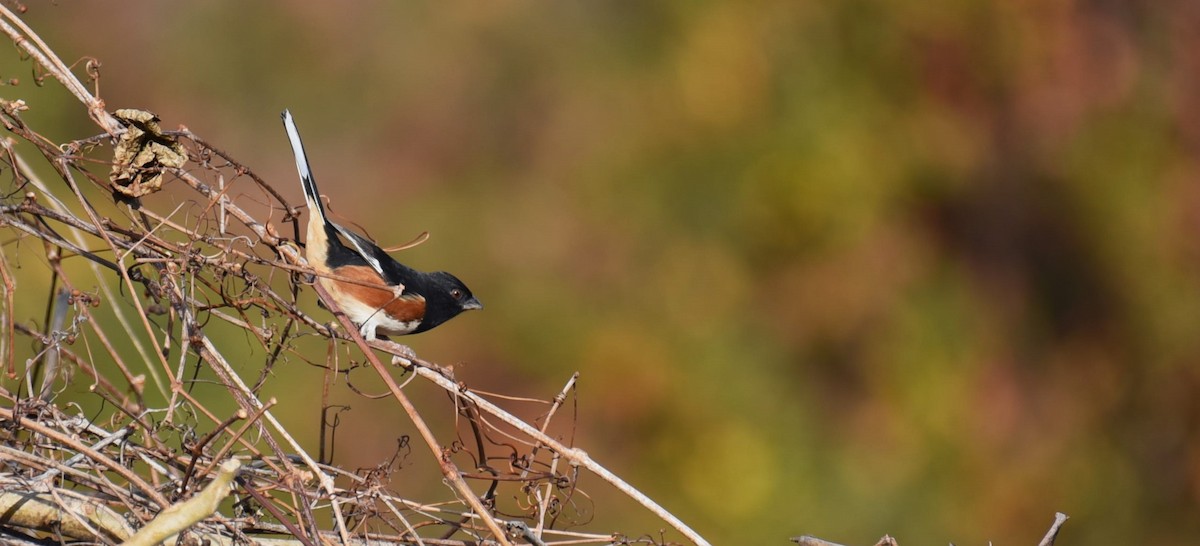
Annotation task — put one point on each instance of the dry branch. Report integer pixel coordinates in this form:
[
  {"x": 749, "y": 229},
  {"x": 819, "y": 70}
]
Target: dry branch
[{"x": 177, "y": 518}]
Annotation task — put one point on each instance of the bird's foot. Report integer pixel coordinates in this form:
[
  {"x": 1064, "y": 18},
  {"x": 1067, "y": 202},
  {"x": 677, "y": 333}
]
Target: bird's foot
[{"x": 398, "y": 349}]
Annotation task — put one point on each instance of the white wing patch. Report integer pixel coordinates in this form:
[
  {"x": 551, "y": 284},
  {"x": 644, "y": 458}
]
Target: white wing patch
[{"x": 362, "y": 245}]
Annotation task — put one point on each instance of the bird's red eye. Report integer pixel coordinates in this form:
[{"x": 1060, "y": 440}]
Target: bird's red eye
[{"x": 456, "y": 293}]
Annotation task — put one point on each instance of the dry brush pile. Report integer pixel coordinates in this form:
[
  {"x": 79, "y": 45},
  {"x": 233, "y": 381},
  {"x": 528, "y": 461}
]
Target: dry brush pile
[{"x": 137, "y": 288}]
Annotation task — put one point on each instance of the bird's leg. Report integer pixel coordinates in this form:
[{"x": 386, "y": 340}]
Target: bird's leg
[{"x": 367, "y": 330}]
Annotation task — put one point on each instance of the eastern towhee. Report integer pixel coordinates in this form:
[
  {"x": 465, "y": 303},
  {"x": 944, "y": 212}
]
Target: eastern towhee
[{"x": 388, "y": 297}]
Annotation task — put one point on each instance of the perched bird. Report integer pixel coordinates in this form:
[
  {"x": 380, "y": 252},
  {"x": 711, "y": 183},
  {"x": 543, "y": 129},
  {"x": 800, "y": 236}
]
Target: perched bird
[{"x": 389, "y": 298}]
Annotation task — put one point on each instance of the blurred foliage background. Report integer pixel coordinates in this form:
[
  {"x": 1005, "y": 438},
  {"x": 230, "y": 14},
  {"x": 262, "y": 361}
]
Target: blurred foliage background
[{"x": 837, "y": 268}]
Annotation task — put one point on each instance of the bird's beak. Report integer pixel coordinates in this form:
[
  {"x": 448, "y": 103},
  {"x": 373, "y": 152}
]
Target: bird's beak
[{"x": 470, "y": 304}]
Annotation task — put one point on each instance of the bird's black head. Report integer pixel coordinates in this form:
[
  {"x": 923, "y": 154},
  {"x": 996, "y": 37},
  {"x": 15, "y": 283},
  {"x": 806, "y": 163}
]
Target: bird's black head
[{"x": 445, "y": 298}]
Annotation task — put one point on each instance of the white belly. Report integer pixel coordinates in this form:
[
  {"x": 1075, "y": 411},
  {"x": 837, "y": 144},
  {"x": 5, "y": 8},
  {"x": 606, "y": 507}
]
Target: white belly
[{"x": 371, "y": 321}]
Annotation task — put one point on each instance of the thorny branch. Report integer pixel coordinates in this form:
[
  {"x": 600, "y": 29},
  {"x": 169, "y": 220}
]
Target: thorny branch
[{"x": 101, "y": 409}]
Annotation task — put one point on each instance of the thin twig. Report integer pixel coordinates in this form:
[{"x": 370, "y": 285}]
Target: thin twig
[
  {"x": 574, "y": 455},
  {"x": 1052, "y": 534},
  {"x": 29, "y": 41}
]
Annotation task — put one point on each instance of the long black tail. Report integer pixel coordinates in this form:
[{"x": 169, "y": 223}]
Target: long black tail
[
  {"x": 306, "y": 177},
  {"x": 363, "y": 247}
]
